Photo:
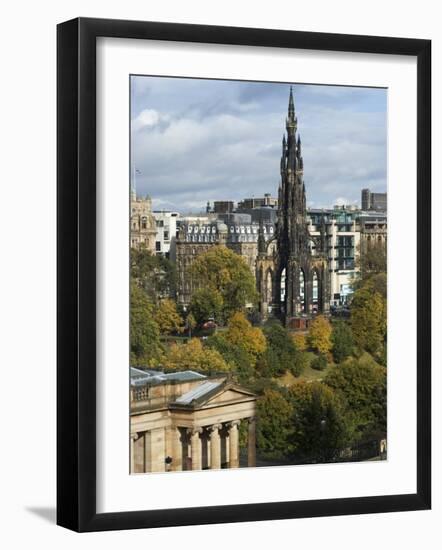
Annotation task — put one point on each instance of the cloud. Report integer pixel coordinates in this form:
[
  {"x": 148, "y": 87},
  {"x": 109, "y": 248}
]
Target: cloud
[
  {"x": 199, "y": 140},
  {"x": 147, "y": 118}
]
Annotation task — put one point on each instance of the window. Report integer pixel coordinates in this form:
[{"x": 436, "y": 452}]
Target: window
[
  {"x": 166, "y": 235},
  {"x": 158, "y": 246}
]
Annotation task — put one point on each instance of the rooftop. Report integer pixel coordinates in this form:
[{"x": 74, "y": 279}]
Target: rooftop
[{"x": 141, "y": 377}]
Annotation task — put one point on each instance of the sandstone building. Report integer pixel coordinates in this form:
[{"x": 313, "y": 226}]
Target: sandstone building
[
  {"x": 142, "y": 223},
  {"x": 187, "y": 421}
]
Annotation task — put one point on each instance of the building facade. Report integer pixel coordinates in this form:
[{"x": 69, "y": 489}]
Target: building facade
[
  {"x": 373, "y": 201},
  {"x": 166, "y": 232},
  {"x": 142, "y": 223},
  {"x": 186, "y": 421},
  {"x": 236, "y": 231}
]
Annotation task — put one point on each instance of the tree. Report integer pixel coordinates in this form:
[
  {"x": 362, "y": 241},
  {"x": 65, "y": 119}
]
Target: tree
[
  {"x": 223, "y": 271},
  {"x": 240, "y": 332},
  {"x": 167, "y": 317},
  {"x": 319, "y": 362},
  {"x": 319, "y": 337},
  {"x": 281, "y": 353},
  {"x": 369, "y": 319},
  {"x": 362, "y": 386},
  {"x": 190, "y": 323},
  {"x": 145, "y": 346},
  {"x": 206, "y": 304},
  {"x": 300, "y": 340},
  {"x": 320, "y": 427},
  {"x": 372, "y": 258},
  {"x": 195, "y": 356},
  {"x": 235, "y": 355},
  {"x": 342, "y": 341},
  {"x": 274, "y": 430},
  {"x": 156, "y": 275}
]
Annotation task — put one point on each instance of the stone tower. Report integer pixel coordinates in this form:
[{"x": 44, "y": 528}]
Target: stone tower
[{"x": 297, "y": 270}]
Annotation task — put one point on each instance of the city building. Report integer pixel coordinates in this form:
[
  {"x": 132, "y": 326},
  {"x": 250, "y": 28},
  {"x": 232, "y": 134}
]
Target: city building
[
  {"x": 166, "y": 230},
  {"x": 142, "y": 223},
  {"x": 187, "y": 421},
  {"x": 237, "y": 231},
  {"x": 258, "y": 202},
  {"x": 342, "y": 235},
  {"x": 304, "y": 261},
  {"x": 373, "y": 201}
]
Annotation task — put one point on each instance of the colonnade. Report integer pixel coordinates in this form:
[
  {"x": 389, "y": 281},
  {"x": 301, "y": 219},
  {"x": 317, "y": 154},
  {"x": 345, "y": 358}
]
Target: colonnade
[
  {"x": 213, "y": 446},
  {"x": 217, "y": 445}
]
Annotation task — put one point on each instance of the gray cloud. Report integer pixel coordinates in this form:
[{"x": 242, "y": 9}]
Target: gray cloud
[{"x": 199, "y": 140}]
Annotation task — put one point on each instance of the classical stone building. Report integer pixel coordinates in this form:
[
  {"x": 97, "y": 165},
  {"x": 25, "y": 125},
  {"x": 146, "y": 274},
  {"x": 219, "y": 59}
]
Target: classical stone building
[
  {"x": 142, "y": 223},
  {"x": 187, "y": 421}
]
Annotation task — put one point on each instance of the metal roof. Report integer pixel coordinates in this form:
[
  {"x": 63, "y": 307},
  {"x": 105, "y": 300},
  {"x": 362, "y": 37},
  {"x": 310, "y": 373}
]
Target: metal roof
[
  {"x": 198, "y": 392},
  {"x": 140, "y": 377}
]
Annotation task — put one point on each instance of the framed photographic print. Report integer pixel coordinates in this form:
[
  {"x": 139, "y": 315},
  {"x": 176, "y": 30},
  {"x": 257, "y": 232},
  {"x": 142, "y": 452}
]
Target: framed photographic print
[{"x": 243, "y": 319}]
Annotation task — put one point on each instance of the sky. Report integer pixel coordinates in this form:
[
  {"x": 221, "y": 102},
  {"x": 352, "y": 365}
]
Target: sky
[{"x": 196, "y": 140}]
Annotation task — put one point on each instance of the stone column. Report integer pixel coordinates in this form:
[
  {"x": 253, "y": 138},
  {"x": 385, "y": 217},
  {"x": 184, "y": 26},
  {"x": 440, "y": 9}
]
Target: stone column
[
  {"x": 133, "y": 438},
  {"x": 215, "y": 447},
  {"x": 251, "y": 443},
  {"x": 233, "y": 444},
  {"x": 195, "y": 447},
  {"x": 155, "y": 450},
  {"x": 177, "y": 450}
]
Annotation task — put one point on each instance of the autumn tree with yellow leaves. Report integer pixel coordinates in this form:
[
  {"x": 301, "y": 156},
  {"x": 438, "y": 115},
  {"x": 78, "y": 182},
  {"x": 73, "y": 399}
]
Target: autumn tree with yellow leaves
[{"x": 319, "y": 337}]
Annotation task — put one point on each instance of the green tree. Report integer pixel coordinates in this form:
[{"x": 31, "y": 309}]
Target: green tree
[
  {"x": 342, "y": 341},
  {"x": 234, "y": 355},
  {"x": 320, "y": 427},
  {"x": 190, "y": 323},
  {"x": 205, "y": 304},
  {"x": 275, "y": 430},
  {"x": 319, "y": 337},
  {"x": 156, "y": 275},
  {"x": 369, "y": 319},
  {"x": 223, "y": 271},
  {"x": 167, "y": 317},
  {"x": 281, "y": 353},
  {"x": 372, "y": 258},
  {"x": 362, "y": 386},
  {"x": 145, "y": 346},
  {"x": 319, "y": 362},
  {"x": 195, "y": 356}
]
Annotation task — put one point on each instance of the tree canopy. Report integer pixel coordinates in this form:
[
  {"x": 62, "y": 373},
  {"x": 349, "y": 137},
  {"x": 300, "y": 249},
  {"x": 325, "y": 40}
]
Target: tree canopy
[
  {"x": 226, "y": 273},
  {"x": 167, "y": 317},
  {"x": 156, "y": 275},
  {"x": 369, "y": 319},
  {"x": 319, "y": 336},
  {"x": 145, "y": 346},
  {"x": 281, "y": 354},
  {"x": 195, "y": 356},
  {"x": 342, "y": 341},
  {"x": 321, "y": 429},
  {"x": 362, "y": 386},
  {"x": 205, "y": 304}
]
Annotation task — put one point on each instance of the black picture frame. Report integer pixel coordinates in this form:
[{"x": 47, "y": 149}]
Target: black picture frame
[{"x": 76, "y": 274}]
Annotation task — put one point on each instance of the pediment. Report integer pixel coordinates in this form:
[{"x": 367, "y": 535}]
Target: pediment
[
  {"x": 228, "y": 395},
  {"x": 209, "y": 394}
]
